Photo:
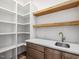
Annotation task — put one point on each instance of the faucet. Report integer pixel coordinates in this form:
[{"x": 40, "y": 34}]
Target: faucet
[{"x": 62, "y": 36}]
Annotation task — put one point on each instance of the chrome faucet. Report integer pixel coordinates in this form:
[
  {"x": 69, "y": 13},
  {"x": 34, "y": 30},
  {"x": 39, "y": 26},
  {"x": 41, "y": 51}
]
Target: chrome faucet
[{"x": 62, "y": 36}]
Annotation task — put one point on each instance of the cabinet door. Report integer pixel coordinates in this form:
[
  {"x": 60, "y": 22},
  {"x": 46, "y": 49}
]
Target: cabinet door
[
  {"x": 69, "y": 56},
  {"x": 52, "y": 54},
  {"x": 35, "y": 53}
]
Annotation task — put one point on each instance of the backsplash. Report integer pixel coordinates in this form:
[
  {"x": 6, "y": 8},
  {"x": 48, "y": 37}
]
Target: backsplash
[{"x": 71, "y": 33}]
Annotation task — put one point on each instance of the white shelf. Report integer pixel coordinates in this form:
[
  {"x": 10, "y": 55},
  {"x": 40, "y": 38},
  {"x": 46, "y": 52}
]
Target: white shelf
[
  {"x": 7, "y": 33},
  {"x": 1, "y": 21},
  {"x": 25, "y": 44},
  {"x": 11, "y": 47},
  {"x": 20, "y": 14},
  {"x": 27, "y": 14},
  {"x": 7, "y": 10},
  {"x": 26, "y": 4},
  {"x": 7, "y": 48},
  {"x": 24, "y": 14},
  {"x": 22, "y": 44},
  {"x": 23, "y": 32},
  {"x": 23, "y": 23},
  {"x": 23, "y": 10}
]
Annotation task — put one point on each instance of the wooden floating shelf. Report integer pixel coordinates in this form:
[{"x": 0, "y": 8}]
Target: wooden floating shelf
[
  {"x": 59, "y": 7},
  {"x": 71, "y": 23}
]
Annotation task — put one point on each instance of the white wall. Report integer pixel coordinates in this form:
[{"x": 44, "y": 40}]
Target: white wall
[
  {"x": 40, "y": 4},
  {"x": 65, "y": 15},
  {"x": 71, "y": 33}
]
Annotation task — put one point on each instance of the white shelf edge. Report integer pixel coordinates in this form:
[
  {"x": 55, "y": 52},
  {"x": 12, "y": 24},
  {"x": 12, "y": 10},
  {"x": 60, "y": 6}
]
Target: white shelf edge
[
  {"x": 7, "y": 48},
  {"x": 26, "y": 4},
  {"x": 23, "y": 32},
  {"x": 7, "y": 10},
  {"x": 11, "y": 47},
  {"x": 6, "y": 33},
  {"x": 20, "y": 14},
  {"x": 1, "y": 21},
  {"x": 23, "y": 23},
  {"x": 25, "y": 44},
  {"x": 21, "y": 44},
  {"x": 13, "y": 11},
  {"x": 26, "y": 14}
]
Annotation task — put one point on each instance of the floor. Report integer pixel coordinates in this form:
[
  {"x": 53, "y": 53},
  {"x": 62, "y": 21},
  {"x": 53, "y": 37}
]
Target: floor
[{"x": 22, "y": 55}]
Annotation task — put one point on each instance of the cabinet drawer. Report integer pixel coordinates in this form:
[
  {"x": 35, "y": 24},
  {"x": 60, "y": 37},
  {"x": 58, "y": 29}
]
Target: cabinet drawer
[
  {"x": 35, "y": 46},
  {"x": 35, "y": 53}
]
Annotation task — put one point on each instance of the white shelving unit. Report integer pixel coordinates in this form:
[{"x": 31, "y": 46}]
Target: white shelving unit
[
  {"x": 23, "y": 26},
  {"x": 11, "y": 54},
  {"x": 14, "y": 28},
  {"x": 8, "y": 29}
]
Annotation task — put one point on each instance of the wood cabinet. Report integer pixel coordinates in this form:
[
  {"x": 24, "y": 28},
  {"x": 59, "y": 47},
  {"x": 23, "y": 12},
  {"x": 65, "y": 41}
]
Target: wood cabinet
[
  {"x": 35, "y": 51},
  {"x": 52, "y": 54},
  {"x": 69, "y": 56}
]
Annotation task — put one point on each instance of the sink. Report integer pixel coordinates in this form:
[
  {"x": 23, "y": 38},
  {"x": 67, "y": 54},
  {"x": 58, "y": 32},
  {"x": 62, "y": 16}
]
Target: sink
[{"x": 61, "y": 44}]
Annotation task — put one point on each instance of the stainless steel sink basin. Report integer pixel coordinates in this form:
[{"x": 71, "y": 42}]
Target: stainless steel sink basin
[{"x": 61, "y": 44}]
